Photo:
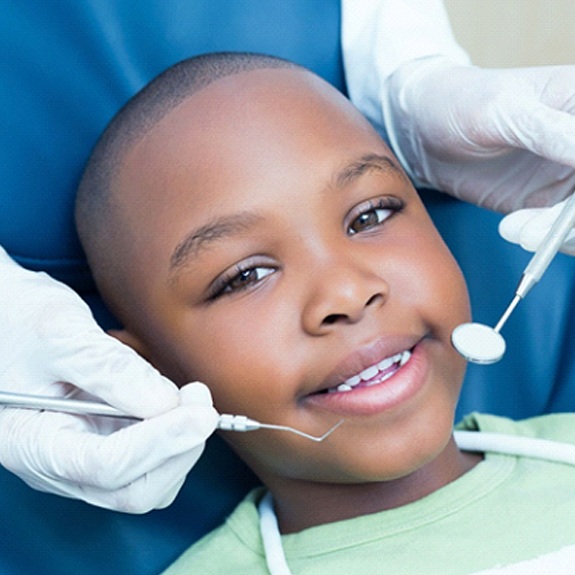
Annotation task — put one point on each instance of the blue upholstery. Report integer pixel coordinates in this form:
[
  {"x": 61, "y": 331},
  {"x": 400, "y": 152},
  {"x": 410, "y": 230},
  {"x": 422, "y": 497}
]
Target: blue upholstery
[{"x": 66, "y": 67}]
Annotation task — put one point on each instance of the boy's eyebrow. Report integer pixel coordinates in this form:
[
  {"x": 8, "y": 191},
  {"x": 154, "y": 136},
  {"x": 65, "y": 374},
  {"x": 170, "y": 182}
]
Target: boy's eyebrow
[
  {"x": 219, "y": 228},
  {"x": 227, "y": 226},
  {"x": 366, "y": 163}
]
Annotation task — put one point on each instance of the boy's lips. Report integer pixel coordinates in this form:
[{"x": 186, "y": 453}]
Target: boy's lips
[{"x": 373, "y": 386}]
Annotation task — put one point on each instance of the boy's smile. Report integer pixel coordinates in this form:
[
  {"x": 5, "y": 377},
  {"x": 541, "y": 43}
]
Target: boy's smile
[
  {"x": 363, "y": 391},
  {"x": 282, "y": 257}
]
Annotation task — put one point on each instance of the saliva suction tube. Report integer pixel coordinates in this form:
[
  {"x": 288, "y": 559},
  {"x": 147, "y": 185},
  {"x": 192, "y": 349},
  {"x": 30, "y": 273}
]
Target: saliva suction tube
[{"x": 226, "y": 422}]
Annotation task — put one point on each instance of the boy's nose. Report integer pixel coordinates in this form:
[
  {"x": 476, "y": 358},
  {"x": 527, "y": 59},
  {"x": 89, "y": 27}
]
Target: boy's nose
[{"x": 342, "y": 296}]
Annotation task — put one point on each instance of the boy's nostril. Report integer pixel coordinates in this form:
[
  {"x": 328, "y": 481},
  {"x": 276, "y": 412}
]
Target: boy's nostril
[
  {"x": 342, "y": 317},
  {"x": 333, "y": 318},
  {"x": 374, "y": 299}
]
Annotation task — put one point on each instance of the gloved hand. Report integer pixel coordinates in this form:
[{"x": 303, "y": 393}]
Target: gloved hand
[
  {"x": 51, "y": 345},
  {"x": 528, "y": 228},
  {"x": 504, "y": 139}
]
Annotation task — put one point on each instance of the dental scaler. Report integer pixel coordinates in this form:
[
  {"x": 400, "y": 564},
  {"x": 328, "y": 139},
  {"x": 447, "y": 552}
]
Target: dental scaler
[{"x": 226, "y": 422}]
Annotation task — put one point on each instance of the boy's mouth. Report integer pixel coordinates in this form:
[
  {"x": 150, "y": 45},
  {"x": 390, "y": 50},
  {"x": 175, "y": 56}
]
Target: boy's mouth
[
  {"x": 381, "y": 386},
  {"x": 373, "y": 374}
]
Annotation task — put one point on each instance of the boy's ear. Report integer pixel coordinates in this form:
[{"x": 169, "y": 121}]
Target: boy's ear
[{"x": 130, "y": 340}]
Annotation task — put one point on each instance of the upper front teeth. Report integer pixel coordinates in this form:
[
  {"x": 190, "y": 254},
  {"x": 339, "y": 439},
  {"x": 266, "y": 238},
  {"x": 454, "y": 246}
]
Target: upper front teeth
[
  {"x": 389, "y": 361},
  {"x": 370, "y": 372},
  {"x": 404, "y": 358},
  {"x": 353, "y": 381}
]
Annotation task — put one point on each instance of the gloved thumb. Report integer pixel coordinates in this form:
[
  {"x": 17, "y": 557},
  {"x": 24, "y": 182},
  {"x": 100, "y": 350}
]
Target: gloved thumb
[
  {"x": 195, "y": 393},
  {"x": 197, "y": 396}
]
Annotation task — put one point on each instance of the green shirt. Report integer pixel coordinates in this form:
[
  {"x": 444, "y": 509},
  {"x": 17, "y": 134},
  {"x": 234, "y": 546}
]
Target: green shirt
[{"x": 508, "y": 514}]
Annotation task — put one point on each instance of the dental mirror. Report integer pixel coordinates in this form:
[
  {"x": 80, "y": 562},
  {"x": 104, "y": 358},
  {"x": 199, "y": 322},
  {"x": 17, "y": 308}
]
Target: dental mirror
[
  {"x": 478, "y": 343},
  {"x": 482, "y": 344}
]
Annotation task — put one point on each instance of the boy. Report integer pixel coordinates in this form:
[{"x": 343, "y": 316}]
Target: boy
[{"x": 252, "y": 231}]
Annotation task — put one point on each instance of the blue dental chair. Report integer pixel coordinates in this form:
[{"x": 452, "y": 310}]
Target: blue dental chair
[{"x": 65, "y": 68}]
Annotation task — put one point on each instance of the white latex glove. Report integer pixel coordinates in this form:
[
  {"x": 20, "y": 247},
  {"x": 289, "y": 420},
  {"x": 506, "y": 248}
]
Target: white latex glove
[
  {"x": 504, "y": 139},
  {"x": 528, "y": 228},
  {"x": 51, "y": 345}
]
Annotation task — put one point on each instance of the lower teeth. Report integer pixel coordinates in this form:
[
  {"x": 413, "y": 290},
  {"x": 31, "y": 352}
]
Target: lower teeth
[{"x": 382, "y": 379}]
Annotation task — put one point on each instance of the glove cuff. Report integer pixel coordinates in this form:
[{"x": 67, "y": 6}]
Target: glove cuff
[{"x": 6, "y": 261}]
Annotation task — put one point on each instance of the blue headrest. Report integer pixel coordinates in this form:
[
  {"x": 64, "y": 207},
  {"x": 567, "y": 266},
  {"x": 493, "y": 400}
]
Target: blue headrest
[{"x": 68, "y": 66}]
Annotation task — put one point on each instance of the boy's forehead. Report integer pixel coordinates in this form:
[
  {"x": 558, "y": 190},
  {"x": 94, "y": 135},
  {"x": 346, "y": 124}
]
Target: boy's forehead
[
  {"x": 244, "y": 113},
  {"x": 249, "y": 96}
]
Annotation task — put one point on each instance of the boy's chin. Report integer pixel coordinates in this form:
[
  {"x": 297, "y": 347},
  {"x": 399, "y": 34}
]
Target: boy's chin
[{"x": 364, "y": 468}]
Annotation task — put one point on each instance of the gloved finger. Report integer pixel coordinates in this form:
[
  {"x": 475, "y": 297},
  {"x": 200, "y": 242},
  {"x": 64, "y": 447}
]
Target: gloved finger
[
  {"x": 59, "y": 447},
  {"x": 529, "y": 227},
  {"x": 119, "y": 459},
  {"x": 106, "y": 368},
  {"x": 156, "y": 489},
  {"x": 195, "y": 393},
  {"x": 159, "y": 487},
  {"x": 546, "y": 132},
  {"x": 512, "y": 227}
]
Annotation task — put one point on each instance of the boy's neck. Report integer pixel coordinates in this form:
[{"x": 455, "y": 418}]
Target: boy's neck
[{"x": 336, "y": 502}]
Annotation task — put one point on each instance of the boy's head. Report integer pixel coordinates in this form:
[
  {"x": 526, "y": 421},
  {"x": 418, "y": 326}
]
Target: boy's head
[{"x": 252, "y": 231}]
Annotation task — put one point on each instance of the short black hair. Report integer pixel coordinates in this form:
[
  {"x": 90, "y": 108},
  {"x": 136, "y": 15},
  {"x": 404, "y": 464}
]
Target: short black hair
[{"x": 97, "y": 219}]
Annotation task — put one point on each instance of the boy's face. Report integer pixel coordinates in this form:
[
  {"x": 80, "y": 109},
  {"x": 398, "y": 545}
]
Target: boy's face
[{"x": 279, "y": 252}]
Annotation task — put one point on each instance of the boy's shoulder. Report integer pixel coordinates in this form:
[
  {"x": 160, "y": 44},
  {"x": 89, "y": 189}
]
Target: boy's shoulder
[
  {"x": 236, "y": 542},
  {"x": 558, "y": 427}
]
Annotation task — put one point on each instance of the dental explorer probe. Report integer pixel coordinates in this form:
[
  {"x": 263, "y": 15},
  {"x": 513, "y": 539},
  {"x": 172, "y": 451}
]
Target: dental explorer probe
[
  {"x": 226, "y": 422},
  {"x": 480, "y": 343}
]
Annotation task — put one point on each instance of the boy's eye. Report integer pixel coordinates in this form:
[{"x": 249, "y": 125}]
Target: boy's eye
[
  {"x": 247, "y": 277},
  {"x": 371, "y": 214},
  {"x": 368, "y": 220},
  {"x": 240, "y": 279}
]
